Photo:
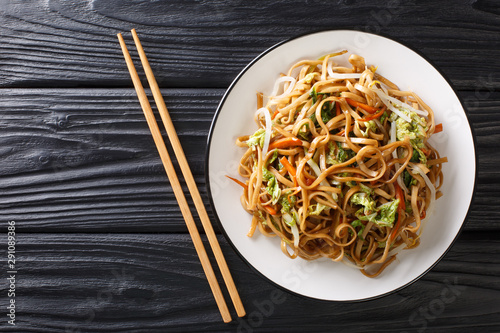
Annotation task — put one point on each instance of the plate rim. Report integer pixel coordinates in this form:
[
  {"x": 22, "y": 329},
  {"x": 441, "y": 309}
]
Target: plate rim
[{"x": 209, "y": 141}]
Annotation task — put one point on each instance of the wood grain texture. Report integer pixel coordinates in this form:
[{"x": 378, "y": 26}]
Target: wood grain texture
[
  {"x": 102, "y": 246},
  {"x": 206, "y": 43},
  {"x": 154, "y": 283},
  {"x": 83, "y": 159}
]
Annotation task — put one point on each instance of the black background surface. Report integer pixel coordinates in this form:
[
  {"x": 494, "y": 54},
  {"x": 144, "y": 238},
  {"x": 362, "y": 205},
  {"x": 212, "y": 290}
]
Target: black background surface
[{"x": 101, "y": 243}]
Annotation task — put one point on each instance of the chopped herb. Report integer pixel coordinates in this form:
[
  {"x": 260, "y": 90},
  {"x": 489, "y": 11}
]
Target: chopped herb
[
  {"x": 272, "y": 185},
  {"x": 306, "y": 135},
  {"x": 312, "y": 117},
  {"x": 415, "y": 156},
  {"x": 383, "y": 117},
  {"x": 287, "y": 202},
  {"x": 351, "y": 183},
  {"x": 326, "y": 112},
  {"x": 387, "y": 213},
  {"x": 275, "y": 224},
  {"x": 309, "y": 77},
  {"x": 383, "y": 215},
  {"x": 315, "y": 95},
  {"x": 421, "y": 155},
  {"x": 257, "y": 138},
  {"x": 317, "y": 208},
  {"x": 366, "y": 189},
  {"x": 370, "y": 125},
  {"x": 344, "y": 154},
  {"x": 358, "y": 223},
  {"x": 365, "y": 200},
  {"x": 260, "y": 215},
  {"x": 408, "y": 179},
  {"x": 273, "y": 158},
  {"x": 331, "y": 157},
  {"x": 415, "y": 131},
  {"x": 408, "y": 208}
]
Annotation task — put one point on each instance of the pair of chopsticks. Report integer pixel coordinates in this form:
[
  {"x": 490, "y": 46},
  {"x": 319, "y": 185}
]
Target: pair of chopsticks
[{"x": 176, "y": 186}]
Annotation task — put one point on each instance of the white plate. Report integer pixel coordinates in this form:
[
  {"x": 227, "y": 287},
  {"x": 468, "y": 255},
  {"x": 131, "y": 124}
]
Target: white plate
[{"x": 324, "y": 279}]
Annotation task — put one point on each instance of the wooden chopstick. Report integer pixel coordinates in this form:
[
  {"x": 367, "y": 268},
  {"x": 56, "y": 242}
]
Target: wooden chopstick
[
  {"x": 160, "y": 144},
  {"x": 188, "y": 177},
  {"x": 172, "y": 176}
]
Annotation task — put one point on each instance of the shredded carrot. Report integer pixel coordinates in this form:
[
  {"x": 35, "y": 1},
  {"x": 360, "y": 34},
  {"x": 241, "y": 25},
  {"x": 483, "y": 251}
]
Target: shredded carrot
[
  {"x": 275, "y": 114},
  {"x": 426, "y": 151},
  {"x": 373, "y": 116},
  {"x": 288, "y": 166},
  {"x": 340, "y": 133},
  {"x": 238, "y": 182},
  {"x": 337, "y": 108},
  {"x": 438, "y": 128},
  {"x": 285, "y": 143},
  {"x": 270, "y": 210},
  {"x": 291, "y": 170},
  {"x": 367, "y": 108}
]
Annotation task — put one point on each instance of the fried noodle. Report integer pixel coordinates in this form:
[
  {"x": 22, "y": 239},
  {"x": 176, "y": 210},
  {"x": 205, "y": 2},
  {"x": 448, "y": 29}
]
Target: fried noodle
[{"x": 340, "y": 166}]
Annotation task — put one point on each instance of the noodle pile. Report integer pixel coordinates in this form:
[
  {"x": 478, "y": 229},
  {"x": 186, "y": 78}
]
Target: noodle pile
[{"x": 340, "y": 166}]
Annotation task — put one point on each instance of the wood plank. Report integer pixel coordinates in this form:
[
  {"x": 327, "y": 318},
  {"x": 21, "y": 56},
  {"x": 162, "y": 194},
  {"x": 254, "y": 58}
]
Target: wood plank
[
  {"x": 205, "y": 44},
  {"x": 154, "y": 283},
  {"x": 83, "y": 160}
]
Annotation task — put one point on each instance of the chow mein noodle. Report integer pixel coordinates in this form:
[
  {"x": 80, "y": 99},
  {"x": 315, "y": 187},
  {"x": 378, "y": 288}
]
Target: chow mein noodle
[{"x": 340, "y": 165}]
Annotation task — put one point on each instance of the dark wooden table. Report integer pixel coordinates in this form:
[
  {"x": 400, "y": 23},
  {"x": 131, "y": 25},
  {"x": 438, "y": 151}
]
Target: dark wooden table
[{"x": 101, "y": 243}]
